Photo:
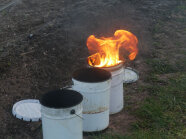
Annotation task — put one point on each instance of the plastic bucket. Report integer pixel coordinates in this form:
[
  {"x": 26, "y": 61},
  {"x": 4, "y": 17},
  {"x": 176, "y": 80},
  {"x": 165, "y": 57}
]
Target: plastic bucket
[
  {"x": 94, "y": 84},
  {"x": 61, "y": 112}
]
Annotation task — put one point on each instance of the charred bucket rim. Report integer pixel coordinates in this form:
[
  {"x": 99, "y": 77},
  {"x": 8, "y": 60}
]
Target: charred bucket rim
[
  {"x": 111, "y": 68},
  {"x": 91, "y": 75},
  {"x": 61, "y": 99}
]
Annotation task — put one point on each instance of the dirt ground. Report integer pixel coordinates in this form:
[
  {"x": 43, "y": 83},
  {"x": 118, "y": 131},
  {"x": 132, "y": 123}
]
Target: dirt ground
[{"x": 43, "y": 41}]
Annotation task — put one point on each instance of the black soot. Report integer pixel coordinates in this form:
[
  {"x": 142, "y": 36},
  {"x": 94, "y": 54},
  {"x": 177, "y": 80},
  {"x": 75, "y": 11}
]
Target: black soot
[
  {"x": 91, "y": 75},
  {"x": 61, "y": 99}
]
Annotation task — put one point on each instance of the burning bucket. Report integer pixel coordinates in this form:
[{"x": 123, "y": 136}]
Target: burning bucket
[
  {"x": 94, "y": 84},
  {"x": 61, "y": 112},
  {"x": 110, "y": 53}
]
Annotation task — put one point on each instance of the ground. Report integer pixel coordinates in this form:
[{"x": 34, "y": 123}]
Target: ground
[{"x": 43, "y": 41}]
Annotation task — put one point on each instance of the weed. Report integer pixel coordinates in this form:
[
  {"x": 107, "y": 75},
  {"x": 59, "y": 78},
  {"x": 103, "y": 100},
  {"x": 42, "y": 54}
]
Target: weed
[
  {"x": 181, "y": 64},
  {"x": 160, "y": 66},
  {"x": 157, "y": 45},
  {"x": 182, "y": 7},
  {"x": 164, "y": 111},
  {"x": 110, "y": 136},
  {"x": 178, "y": 43}
]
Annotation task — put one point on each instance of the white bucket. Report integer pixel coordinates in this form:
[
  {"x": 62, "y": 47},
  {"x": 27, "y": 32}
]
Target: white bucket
[
  {"x": 117, "y": 91},
  {"x": 94, "y": 84},
  {"x": 61, "y": 112}
]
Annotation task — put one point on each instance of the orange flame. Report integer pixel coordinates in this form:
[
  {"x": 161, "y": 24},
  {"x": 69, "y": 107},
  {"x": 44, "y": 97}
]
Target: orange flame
[{"x": 105, "y": 51}]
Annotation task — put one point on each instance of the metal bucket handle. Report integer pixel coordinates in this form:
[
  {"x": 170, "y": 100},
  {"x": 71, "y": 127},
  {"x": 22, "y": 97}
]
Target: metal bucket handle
[{"x": 72, "y": 111}]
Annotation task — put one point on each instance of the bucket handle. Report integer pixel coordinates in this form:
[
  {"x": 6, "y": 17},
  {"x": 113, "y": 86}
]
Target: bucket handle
[{"x": 74, "y": 112}]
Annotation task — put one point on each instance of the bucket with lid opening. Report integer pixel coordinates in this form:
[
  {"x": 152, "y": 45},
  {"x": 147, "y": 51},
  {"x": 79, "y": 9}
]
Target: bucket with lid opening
[
  {"x": 61, "y": 112},
  {"x": 94, "y": 84}
]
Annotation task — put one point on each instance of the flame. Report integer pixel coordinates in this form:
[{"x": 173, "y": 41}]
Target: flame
[{"x": 105, "y": 51}]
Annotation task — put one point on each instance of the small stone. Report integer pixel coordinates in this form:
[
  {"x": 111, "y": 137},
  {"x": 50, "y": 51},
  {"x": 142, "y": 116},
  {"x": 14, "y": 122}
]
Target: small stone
[
  {"x": 45, "y": 53},
  {"x": 30, "y": 36}
]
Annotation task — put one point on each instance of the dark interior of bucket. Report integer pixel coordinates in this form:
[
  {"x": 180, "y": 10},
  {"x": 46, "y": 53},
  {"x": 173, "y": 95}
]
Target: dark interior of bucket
[
  {"x": 91, "y": 75},
  {"x": 61, "y": 99}
]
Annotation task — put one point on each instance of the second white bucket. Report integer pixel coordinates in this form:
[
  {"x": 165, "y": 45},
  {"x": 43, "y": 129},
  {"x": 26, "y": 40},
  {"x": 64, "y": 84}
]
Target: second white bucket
[{"x": 94, "y": 84}]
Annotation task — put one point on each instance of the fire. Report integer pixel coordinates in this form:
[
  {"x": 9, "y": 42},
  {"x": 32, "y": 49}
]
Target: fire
[{"x": 106, "y": 51}]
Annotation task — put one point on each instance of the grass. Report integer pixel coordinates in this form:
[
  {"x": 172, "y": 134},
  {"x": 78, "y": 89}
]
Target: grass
[
  {"x": 157, "y": 45},
  {"x": 160, "y": 66},
  {"x": 162, "y": 115},
  {"x": 110, "y": 136},
  {"x": 164, "y": 112},
  {"x": 182, "y": 7},
  {"x": 157, "y": 28},
  {"x": 135, "y": 135},
  {"x": 181, "y": 64}
]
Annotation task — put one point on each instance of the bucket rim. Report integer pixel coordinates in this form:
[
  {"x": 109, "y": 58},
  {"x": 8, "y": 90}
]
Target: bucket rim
[
  {"x": 103, "y": 76},
  {"x": 61, "y": 99},
  {"x": 111, "y": 68}
]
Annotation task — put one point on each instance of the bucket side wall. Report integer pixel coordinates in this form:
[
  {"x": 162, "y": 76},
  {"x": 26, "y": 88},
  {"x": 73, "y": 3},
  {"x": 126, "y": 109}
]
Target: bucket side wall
[
  {"x": 117, "y": 91},
  {"x": 96, "y": 98},
  {"x": 95, "y": 95},
  {"x": 70, "y": 128}
]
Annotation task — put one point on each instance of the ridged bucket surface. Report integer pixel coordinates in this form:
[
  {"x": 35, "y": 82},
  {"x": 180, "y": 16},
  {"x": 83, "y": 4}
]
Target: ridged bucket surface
[
  {"x": 96, "y": 96},
  {"x": 117, "y": 91}
]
